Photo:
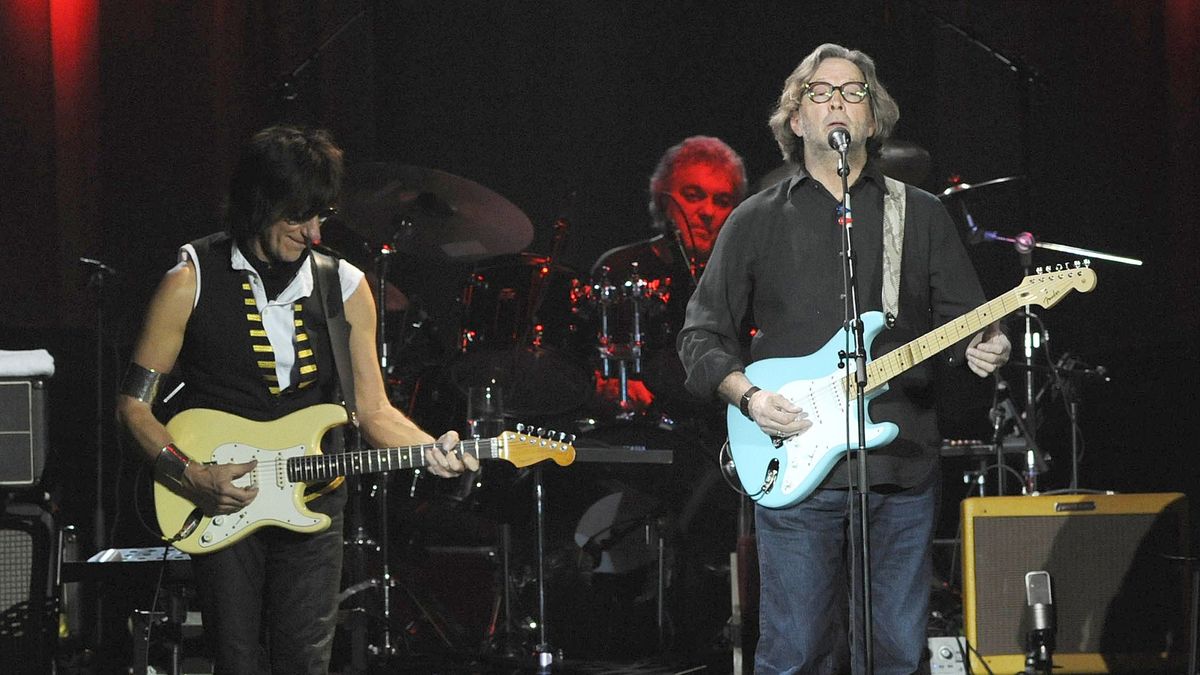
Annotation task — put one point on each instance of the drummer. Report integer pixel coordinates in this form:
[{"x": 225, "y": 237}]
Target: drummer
[{"x": 692, "y": 190}]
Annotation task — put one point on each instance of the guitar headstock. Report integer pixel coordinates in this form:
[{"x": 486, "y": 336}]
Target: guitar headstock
[
  {"x": 528, "y": 445},
  {"x": 1052, "y": 284}
]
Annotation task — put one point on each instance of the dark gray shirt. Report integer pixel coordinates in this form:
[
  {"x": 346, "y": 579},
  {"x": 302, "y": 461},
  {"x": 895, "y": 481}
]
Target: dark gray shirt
[{"x": 779, "y": 256}]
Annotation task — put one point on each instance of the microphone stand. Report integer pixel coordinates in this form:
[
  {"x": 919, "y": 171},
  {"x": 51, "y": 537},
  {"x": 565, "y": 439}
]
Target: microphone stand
[
  {"x": 388, "y": 649},
  {"x": 859, "y": 357},
  {"x": 285, "y": 86},
  {"x": 98, "y": 272}
]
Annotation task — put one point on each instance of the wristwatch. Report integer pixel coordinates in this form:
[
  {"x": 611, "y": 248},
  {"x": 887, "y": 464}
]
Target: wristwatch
[{"x": 744, "y": 405}]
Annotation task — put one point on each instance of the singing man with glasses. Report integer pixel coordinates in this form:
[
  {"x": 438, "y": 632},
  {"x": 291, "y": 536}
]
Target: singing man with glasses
[
  {"x": 779, "y": 256},
  {"x": 238, "y": 321}
]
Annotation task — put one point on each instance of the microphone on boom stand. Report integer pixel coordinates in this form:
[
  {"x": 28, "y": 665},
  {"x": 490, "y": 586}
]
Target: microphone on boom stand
[
  {"x": 676, "y": 233},
  {"x": 839, "y": 140}
]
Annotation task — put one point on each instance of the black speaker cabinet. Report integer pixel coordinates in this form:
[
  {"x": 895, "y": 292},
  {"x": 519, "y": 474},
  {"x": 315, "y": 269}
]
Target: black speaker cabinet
[
  {"x": 28, "y": 615},
  {"x": 1120, "y": 580},
  {"x": 22, "y": 432}
]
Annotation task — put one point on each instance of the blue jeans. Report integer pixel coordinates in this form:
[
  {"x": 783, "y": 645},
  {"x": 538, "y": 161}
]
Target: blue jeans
[
  {"x": 804, "y": 563},
  {"x": 269, "y": 602}
]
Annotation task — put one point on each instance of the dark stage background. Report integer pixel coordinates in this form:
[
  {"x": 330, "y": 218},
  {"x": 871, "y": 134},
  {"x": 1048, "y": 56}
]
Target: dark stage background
[{"x": 121, "y": 121}]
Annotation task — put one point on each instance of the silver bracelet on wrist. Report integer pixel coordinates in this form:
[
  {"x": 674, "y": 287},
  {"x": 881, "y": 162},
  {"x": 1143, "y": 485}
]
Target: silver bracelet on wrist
[{"x": 170, "y": 465}]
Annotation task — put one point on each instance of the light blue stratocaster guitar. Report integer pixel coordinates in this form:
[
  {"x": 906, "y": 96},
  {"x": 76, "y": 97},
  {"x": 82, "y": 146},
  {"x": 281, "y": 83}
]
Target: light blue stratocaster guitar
[{"x": 777, "y": 477}]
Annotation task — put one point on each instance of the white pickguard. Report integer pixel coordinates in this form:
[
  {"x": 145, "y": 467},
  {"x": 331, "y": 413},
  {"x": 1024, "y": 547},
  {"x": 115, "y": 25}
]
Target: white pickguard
[{"x": 277, "y": 496}]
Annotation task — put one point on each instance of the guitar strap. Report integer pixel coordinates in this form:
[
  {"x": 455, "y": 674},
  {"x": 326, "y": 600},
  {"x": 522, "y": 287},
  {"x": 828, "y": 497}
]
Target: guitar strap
[
  {"x": 328, "y": 287},
  {"x": 893, "y": 245}
]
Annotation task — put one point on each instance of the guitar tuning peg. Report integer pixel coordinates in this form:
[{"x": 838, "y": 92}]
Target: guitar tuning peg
[
  {"x": 572, "y": 439},
  {"x": 520, "y": 428},
  {"x": 541, "y": 431},
  {"x": 562, "y": 436}
]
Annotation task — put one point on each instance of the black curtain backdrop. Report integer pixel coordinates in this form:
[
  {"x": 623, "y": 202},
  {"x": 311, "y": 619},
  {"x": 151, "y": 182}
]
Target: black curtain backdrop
[{"x": 563, "y": 108}]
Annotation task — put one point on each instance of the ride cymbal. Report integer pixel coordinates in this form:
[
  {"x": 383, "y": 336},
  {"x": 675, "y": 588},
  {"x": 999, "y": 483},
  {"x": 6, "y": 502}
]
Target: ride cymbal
[
  {"x": 903, "y": 160},
  {"x": 431, "y": 213}
]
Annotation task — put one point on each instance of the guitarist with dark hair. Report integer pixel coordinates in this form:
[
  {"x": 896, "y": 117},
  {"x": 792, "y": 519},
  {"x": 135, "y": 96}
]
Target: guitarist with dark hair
[{"x": 237, "y": 319}]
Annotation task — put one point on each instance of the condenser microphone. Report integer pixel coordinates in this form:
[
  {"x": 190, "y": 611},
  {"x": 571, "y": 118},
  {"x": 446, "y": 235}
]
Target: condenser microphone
[
  {"x": 839, "y": 139},
  {"x": 1039, "y": 642}
]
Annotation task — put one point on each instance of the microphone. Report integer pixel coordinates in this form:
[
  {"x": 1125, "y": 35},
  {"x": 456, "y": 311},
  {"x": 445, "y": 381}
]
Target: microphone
[
  {"x": 839, "y": 139},
  {"x": 675, "y": 232},
  {"x": 1039, "y": 642}
]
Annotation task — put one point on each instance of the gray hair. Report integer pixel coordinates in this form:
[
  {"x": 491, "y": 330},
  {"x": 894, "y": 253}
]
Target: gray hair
[
  {"x": 694, "y": 150},
  {"x": 883, "y": 106}
]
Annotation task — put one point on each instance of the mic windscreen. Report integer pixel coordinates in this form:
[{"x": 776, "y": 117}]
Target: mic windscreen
[
  {"x": 1038, "y": 596},
  {"x": 839, "y": 139}
]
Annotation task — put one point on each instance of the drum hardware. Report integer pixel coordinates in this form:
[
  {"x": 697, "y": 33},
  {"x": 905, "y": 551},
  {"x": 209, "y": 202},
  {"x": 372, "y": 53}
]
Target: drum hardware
[
  {"x": 516, "y": 332},
  {"x": 958, "y": 196},
  {"x": 622, "y": 357}
]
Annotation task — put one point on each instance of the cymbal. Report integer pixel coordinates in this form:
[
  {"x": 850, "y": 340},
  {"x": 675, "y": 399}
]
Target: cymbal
[
  {"x": 903, "y": 160},
  {"x": 397, "y": 301},
  {"x": 431, "y": 213},
  {"x": 974, "y": 189}
]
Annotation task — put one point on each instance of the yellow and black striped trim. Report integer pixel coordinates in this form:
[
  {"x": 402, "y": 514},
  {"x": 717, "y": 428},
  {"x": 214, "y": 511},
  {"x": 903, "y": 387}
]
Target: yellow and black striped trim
[
  {"x": 264, "y": 353},
  {"x": 305, "y": 358}
]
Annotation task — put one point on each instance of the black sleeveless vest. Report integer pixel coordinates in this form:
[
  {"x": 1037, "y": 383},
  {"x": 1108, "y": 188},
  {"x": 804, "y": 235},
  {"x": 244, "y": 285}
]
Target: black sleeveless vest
[{"x": 218, "y": 363}]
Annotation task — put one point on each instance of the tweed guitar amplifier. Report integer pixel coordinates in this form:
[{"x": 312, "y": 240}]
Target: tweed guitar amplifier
[{"x": 1120, "y": 580}]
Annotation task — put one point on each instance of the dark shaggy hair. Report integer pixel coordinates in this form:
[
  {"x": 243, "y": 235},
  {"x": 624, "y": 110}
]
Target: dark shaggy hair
[{"x": 284, "y": 172}]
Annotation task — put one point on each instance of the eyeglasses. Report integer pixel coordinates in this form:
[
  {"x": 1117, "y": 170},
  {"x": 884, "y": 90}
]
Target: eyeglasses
[
  {"x": 820, "y": 92},
  {"x": 321, "y": 215}
]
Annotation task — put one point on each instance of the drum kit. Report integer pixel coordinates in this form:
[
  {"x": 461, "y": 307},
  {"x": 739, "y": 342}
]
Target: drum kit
[
  {"x": 510, "y": 335},
  {"x": 529, "y": 339}
]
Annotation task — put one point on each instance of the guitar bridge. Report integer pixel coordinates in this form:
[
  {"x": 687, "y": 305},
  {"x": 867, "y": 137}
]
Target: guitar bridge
[{"x": 769, "y": 479}]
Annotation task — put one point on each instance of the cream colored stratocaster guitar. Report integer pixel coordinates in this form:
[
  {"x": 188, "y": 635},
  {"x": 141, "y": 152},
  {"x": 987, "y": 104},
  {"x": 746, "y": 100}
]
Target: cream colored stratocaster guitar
[{"x": 289, "y": 458}]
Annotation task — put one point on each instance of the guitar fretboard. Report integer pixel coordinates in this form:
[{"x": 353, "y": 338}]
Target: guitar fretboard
[
  {"x": 895, "y": 362},
  {"x": 313, "y": 468}
]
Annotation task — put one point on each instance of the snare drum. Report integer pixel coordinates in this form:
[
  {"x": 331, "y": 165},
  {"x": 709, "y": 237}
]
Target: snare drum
[{"x": 517, "y": 331}]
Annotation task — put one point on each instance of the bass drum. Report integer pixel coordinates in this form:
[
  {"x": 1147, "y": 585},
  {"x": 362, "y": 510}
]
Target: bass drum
[
  {"x": 518, "y": 332},
  {"x": 609, "y": 523}
]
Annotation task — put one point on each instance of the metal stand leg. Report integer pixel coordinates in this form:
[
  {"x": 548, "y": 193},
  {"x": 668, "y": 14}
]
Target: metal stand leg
[
  {"x": 1194, "y": 632},
  {"x": 506, "y": 583},
  {"x": 662, "y": 587},
  {"x": 545, "y": 656}
]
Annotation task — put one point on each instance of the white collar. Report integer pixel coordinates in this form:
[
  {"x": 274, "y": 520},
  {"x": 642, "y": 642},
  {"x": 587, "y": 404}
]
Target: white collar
[{"x": 300, "y": 286}]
